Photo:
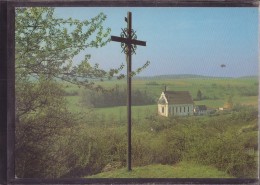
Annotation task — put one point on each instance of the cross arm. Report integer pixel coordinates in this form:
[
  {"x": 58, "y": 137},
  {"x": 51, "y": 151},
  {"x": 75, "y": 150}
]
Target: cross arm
[
  {"x": 118, "y": 39},
  {"x": 138, "y": 42},
  {"x": 127, "y": 41}
]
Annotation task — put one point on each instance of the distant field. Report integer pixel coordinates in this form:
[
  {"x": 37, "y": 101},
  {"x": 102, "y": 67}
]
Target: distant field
[
  {"x": 214, "y": 90},
  {"x": 118, "y": 113},
  {"x": 138, "y": 112}
]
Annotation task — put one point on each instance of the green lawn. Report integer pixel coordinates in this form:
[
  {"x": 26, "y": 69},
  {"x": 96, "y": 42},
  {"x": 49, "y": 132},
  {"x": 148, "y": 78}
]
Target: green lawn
[
  {"x": 118, "y": 113},
  {"x": 138, "y": 112},
  {"x": 181, "y": 170}
]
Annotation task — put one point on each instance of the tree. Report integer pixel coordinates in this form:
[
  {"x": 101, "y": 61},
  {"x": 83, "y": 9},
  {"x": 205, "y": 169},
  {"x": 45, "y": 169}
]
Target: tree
[
  {"x": 41, "y": 118},
  {"x": 229, "y": 103},
  {"x": 199, "y": 95},
  {"x": 45, "y": 47}
]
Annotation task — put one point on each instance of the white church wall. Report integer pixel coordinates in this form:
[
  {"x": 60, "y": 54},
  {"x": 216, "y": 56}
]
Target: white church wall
[
  {"x": 163, "y": 110},
  {"x": 180, "y": 110}
]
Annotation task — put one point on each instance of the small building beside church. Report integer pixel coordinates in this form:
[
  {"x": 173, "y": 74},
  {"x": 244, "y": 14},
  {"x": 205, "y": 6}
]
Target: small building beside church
[
  {"x": 175, "y": 103},
  {"x": 200, "y": 110}
]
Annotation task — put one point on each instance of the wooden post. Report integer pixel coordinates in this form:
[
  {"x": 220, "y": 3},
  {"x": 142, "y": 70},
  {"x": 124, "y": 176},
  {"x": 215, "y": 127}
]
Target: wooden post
[
  {"x": 128, "y": 40},
  {"x": 129, "y": 91}
]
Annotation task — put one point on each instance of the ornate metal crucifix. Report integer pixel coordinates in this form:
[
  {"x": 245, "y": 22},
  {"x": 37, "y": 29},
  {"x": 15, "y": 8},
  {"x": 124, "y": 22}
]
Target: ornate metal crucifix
[{"x": 128, "y": 43}]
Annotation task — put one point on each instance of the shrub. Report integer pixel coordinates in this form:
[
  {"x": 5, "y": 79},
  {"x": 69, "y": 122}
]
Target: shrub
[
  {"x": 71, "y": 93},
  {"x": 226, "y": 152}
]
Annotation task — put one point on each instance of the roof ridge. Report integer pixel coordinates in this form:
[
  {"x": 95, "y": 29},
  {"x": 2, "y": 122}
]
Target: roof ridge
[
  {"x": 178, "y": 97},
  {"x": 176, "y": 91}
]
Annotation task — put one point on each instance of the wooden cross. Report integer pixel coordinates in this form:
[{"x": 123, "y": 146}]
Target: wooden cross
[{"x": 128, "y": 43}]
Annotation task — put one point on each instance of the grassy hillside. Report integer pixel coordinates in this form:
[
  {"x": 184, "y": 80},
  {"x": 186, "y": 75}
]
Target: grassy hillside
[
  {"x": 215, "y": 91},
  {"x": 181, "y": 170},
  {"x": 224, "y": 142}
]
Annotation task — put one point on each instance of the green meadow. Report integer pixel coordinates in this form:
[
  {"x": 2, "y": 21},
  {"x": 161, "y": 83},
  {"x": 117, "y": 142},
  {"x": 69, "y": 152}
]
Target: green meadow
[{"x": 215, "y": 92}]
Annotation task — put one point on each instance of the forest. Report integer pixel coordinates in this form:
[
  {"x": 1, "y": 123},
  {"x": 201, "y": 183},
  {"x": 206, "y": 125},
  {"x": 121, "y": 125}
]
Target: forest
[{"x": 116, "y": 97}]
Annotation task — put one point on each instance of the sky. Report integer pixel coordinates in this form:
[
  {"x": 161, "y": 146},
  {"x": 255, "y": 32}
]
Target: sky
[{"x": 180, "y": 40}]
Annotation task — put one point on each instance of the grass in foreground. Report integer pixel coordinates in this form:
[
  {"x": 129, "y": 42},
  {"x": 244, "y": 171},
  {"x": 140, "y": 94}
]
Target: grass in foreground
[{"x": 181, "y": 170}]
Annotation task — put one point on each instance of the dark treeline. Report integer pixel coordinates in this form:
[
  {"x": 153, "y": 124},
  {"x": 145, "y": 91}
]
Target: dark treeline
[{"x": 117, "y": 97}]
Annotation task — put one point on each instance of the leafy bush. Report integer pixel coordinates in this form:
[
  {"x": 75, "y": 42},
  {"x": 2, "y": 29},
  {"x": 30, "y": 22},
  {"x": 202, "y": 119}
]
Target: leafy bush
[
  {"x": 71, "y": 93},
  {"x": 245, "y": 113},
  {"x": 253, "y": 91}
]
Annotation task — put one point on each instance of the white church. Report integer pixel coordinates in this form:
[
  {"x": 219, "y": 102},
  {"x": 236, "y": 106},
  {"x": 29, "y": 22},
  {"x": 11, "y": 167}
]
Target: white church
[{"x": 175, "y": 103}]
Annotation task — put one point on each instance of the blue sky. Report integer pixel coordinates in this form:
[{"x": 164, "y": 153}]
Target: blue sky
[{"x": 180, "y": 40}]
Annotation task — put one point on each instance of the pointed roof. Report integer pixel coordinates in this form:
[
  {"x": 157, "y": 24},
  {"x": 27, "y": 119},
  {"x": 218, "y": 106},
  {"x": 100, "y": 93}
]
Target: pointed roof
[{"x": 178, "y": 97}]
